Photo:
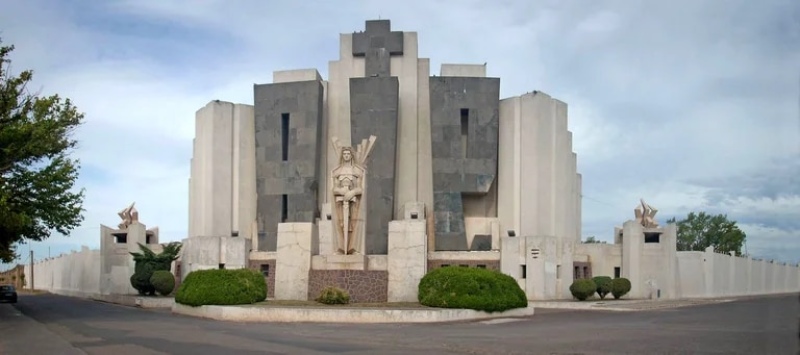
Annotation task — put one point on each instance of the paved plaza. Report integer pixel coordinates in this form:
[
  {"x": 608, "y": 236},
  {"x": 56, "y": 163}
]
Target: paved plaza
[{"x": 50, "y": 324}]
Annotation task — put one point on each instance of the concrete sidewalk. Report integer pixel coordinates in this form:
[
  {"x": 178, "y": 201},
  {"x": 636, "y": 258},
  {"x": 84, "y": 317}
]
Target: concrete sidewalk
[
  {"x": 20, "y": 334},
  {"x": 626, "y": 304}
]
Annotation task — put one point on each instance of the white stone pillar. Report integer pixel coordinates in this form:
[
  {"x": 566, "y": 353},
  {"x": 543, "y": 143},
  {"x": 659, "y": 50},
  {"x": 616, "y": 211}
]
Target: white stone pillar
[
  {"x": 407, "y": 260},
  {"x": 293, "y": 261},
  {"x": 511, "y": 258},
  {"x": 632, "y": 241}
]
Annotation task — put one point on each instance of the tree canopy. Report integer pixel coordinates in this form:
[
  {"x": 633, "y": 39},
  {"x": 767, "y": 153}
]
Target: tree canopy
[
  {"x": 700, "y": 230},
  {"x": 592, "y": 240},
  {"x": 37, "y": 176}
]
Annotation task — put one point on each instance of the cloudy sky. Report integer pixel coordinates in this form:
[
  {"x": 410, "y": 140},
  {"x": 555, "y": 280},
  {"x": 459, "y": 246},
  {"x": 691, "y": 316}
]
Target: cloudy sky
[{"x": 692, "y": 105}]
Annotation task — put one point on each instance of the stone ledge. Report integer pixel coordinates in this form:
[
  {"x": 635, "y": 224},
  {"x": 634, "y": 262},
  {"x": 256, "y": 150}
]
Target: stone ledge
[
  {"x": 136, "y": 301},
  {"x": 343, "y": 314}
]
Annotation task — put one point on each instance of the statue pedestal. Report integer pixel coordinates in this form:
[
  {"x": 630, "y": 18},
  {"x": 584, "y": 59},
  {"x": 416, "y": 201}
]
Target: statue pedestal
[{"x": 340, "y": 262}]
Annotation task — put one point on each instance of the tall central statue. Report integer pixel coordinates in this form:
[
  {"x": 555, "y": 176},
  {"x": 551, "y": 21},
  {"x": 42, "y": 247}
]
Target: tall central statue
[{"x": 348, "y": 186}]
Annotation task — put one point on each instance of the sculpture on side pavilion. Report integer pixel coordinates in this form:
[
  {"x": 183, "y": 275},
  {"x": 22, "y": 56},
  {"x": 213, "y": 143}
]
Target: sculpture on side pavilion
[
  {"x": 128, "y": 215},
  {"x": 645, "y": 215}
]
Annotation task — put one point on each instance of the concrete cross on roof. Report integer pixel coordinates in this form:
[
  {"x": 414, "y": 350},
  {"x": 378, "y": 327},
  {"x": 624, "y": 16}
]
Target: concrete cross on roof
[{"x": 378, "y": 43}]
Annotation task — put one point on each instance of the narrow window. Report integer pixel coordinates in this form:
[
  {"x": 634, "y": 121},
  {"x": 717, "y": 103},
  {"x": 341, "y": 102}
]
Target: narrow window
[
  {"x": 481, "y": 266},
  {"x": 586, "y": 272},
  {"x": 285, "y": 136},
  {"x": 558, "y": 272},
  {"x": 284, "y": 208},
  {"x": 464, "y": 131},
  {"x": 577, "y": 274},
  {"x": 265, "y": 269},
  {"x": 652, "y": 237},
  {"x": 617, "y": 272},
  {"x": 524, "y": 271}
]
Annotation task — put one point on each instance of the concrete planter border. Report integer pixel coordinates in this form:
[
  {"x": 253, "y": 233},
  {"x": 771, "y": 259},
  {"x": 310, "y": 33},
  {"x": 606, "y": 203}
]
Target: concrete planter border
[{"x": 342, "y": 315}]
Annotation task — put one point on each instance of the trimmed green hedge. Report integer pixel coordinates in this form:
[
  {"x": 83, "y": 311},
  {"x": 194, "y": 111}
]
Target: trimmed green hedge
[
  {"x": 603, "y": 285},
  {"x": 620, "y": 287},
  {"x": 222, "y": 287},
  {"x": 582, "y": 289},
  {"x": 163, "y": 281},
  {"x": 471, "y": 288}
]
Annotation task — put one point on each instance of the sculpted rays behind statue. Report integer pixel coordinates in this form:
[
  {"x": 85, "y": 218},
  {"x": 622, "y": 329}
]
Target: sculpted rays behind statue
[{"x": 348, "y": 189}]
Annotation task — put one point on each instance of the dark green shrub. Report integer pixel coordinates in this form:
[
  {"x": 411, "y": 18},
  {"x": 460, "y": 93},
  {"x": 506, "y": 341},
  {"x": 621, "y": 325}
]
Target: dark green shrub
[
  {"x": 163, "y": 281},
  {"x": 470, "y": 288},
  {"x": 603, "y": 284},
  {"x": 582, "y": 289},
  {"x": 620, "y": 287},
  {"x": 222, "y": 287},
  {"x": 333, "y": 295},
  {"x": 148, "y": 262}
]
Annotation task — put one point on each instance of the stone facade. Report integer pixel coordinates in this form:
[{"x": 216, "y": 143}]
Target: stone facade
[
  {"x": 582, "y": 270},
  {"x": 464, "y": 136},
  {"x": 447, "y": 145},
  {"x": 484, "y": 264},
  {"x": 364, "y": 286},
  {"x": 373, "y": 111},
  {"x": 268, "y": 269},
  {"x": 14, "y": 276},
  {"x": 288, "y": 140}
]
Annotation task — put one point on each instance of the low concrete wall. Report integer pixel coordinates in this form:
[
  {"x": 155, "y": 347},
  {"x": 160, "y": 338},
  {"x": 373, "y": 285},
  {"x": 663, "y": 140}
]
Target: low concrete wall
[
  {"x": 71, "y": 274},
  {"x": 341, "y": 315},
  {"x": 704, "y": 274}
]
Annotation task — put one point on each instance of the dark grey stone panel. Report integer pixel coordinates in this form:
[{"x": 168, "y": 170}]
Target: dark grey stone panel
[
  {"x": 378, "y": 43},
  {"x": 298, "y": 176},
  {"x": 455, "y": 171},
  {"x": 481, "y": 242},
  {"x": 450, "y": 242},
  {"x": 373, "y": 111}
]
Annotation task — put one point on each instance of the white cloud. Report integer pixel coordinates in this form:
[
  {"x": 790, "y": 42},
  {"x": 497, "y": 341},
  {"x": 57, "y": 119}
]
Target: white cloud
[{"x": 660, "y": 95}]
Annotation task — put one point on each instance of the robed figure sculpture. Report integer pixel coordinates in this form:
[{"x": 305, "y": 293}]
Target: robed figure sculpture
[{"x": 348, "y": 182}]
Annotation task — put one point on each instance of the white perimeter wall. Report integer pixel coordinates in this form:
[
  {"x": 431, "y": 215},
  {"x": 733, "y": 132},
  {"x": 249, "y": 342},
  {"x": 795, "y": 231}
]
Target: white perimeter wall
[
  {"x": 73, "y": 274},
  {"x": 710, "y": 274}
]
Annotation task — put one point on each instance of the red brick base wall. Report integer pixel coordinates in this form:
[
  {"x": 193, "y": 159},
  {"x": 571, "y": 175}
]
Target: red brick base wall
[
  {"x": 269, "y": 273},
  {"x": 364, "y": 286},
  {"x": 486, "y": 264},
  {"x": 581, "y": 270}
]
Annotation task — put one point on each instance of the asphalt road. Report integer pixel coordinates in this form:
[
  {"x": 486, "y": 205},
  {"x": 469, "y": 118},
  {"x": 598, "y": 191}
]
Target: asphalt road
[{"x": 49, "y": 324}]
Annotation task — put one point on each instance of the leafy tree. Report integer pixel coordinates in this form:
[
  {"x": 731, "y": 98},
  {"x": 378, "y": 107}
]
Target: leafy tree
[
  {"x": 593, "y": 240},
  {"x": 36, "y": 174},
  {"x": 701, "y": 230}
]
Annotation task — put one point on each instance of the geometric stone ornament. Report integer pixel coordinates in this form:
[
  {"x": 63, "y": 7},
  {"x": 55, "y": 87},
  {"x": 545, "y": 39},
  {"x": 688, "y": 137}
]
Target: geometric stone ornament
[
  {"x": 645, "y": 215},
  {"x": 128, "y": 215}
]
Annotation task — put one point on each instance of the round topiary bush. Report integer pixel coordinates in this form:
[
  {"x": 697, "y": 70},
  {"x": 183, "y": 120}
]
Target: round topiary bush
[
  {"x": 163, "y": 281},
  {"x": 222, "y": 287},
  {"x": 620, "y": 287},
  {"x": 140, "y": 280},
  {"x": 583, "y": 289},
  {"x": 333, "y": 295},
  {"x": 470, "y": 288},
  {"x": 603, "y": 284}
]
